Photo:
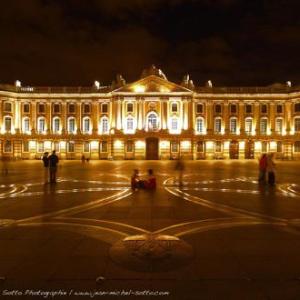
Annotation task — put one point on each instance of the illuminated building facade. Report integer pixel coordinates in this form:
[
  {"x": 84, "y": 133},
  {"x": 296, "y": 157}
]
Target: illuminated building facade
[{"x": 151, "y": 118}]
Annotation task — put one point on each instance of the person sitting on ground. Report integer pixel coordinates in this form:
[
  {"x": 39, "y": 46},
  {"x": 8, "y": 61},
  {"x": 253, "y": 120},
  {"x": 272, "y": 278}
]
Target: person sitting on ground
[
  {"x": 135, "y": 179},
  {"x": 150, "y": 183}
]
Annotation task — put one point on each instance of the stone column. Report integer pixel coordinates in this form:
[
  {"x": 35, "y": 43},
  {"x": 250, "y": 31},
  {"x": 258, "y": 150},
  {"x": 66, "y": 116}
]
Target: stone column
[
  {"x": 226, "y": 118},
  {"x": 119, "y": 115},
  {"x": 17, "y": 116},
  {"x": 256, "y": 118},
  {"x": 288, "y": 117},
  {"x": 241, "y": 117},
  {"x": 140, "y": 114},
  {"x": 272, "y": 118}
]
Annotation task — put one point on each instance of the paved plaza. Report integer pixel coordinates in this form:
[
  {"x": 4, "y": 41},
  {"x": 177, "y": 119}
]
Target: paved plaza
[{"x": 218, "y": 236}]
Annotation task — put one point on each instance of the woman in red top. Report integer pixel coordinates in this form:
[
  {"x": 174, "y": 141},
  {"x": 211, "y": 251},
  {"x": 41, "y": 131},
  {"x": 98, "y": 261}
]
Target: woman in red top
[{"x": 150, "y": 183}]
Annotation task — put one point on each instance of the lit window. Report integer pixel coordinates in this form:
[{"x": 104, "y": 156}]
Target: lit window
[
  {"x": 41, "y": 125},
  {"x": 174, "y": 146},
  {"x": 297, "y": 146},
  {"x": 297, "y": 124},
  {"x": 7, "y": 107},
  {"x": 86, "y": 125},
  {"x": 86, "y": 147},
  {"x": 200, "y": 125},
  {"x": 129, "y": 107},
  {"x": 278, "y": 126},
  {"x": 104, "y": 108},
  {"x": 218, "y": 125},
  {"x": 297, "y": 107},
  {"x": 26, "y": 125},
  {"x": 40, "y": 147},
  {"x": 26, "y": 108},
  {"x": 56, "y": 125},
  {"x": 71, "y": 125},
  {"x": 248, "y": 126},
  {"x": 218, "y": 108},
  {"x": 174, "y": 107},
  {"x": 152, "y": 121},
  {"x": 263, "y": 125},
  {"x": 199, "y": 108},
  {"x": 129, "y": 124},
  {"x": 248, "y": 108},
  {"x": 104, "y": 125},
  {"x": 71, "y": 146},
  {"x": 218, "y": 146},
  {"x": 233, "y": 125},
  {"x": 7, "y": 146},
  {"x": 129, "y": 146},
  {"x": 7, "y": 124},
  {"x": 71, "y": 108},
  {"x": 174, "y": 124},
  {"x": 104, "y": 146}
]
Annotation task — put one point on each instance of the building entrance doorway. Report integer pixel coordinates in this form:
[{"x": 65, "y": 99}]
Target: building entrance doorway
[
  {"x": 152, "y": 148},
  {"x": 249, "y": 150},
  {"x": 234, "y": 150}
]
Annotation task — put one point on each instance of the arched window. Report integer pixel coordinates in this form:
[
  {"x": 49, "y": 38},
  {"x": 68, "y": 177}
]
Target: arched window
[
  {"x": 71, "y": 125},
  {"x": 200, "y": 125},
  {"x": 218, "y": 125},
  {"x": 233, "y": 125},
  {"x": 297, "y": 124},
  {"x": 263, "y": 126},
  {"x": 104, "y": 128},
  {"x": 248, "y": 125},
  {"x": 25, "y": 125},
  {"x": 86, "y": 126},
  {"x": 152, "y": 123},
  {"x": 7, "y": 124},
  {"x": 56, "y": 125},
  {"x": 41, "y": 126},
  {"x": 278, "y": 125}
]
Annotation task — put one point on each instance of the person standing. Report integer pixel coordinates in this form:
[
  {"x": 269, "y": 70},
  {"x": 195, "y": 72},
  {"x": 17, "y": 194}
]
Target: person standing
[
  {"x": 271, "y": 169},
  {"x": 53, "y": 161},
  {"x": 262, "y": 168},
  {"x": 180, "y": 168},
  {"x": 46, "y": 166}
]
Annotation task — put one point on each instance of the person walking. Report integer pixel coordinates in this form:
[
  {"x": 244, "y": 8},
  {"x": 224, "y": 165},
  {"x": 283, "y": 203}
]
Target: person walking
[
  {"x": 262, "y": 168},
  {"x": 180, "y": 168},
  {"x": 53, "y": 161},
  {"x": 271, "y": 169},
  {"x": 46, "y": 166}
]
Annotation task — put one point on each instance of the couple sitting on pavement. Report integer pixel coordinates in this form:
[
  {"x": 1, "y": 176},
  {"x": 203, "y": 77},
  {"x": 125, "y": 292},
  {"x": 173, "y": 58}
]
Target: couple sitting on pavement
[{"x": 148, "y": 184}]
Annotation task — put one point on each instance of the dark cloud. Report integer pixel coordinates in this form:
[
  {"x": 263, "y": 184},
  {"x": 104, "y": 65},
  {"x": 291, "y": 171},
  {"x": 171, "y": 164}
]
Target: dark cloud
[{"x": 232, "y": 42}]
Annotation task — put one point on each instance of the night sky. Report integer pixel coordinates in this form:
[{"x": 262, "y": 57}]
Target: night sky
[{"x": 231, "y": 42}]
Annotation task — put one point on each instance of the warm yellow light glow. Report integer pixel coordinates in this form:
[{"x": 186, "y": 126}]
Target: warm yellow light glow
[
  {"x": 62, "y": 145},
  {"x": 257, "y": 145},
  {"x": 164, "y": 144},
  {"x": 47, "y": 145},
  {"x": 118, "y": 144},
  {"x": 273, "y": 146},
  {"x": 94, "y": 145},
  {"x": 164, "y": 89},
  {"x": 140, "y": 144},
  {"x": 32, "y": 145},
  {"x": 139, "y": 88},
  {"x": 185, "y": 145},
  {"x": 209, "y": 145},
  {"x": 242, "y": 145},
  {"x": 226, "y": 145}
]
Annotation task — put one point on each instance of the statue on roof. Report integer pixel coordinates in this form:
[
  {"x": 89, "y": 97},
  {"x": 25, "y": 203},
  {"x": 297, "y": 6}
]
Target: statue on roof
[
  {"x": 187, "y": 82},
  {"x": 153, "y": 71}
]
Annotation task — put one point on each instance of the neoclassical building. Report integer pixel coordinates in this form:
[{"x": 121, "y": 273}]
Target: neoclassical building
[{"x": 152, "y": 118}]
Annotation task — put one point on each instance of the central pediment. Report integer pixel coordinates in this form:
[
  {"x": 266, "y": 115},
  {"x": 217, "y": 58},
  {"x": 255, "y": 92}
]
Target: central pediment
[{"x": 152, "y": 84}]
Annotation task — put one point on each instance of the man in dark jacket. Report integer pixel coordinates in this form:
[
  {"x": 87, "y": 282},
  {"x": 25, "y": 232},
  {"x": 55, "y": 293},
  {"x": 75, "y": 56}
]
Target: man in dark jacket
[
  {"x": 46, "y": 166},
  {"x": 53, "y": 161}
]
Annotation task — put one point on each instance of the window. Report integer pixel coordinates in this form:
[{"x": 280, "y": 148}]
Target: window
[
  {"x": 104, "y": 125},
  {"x": 7, "y": 124},
  {"x": 104, "y": 146},
  {"x": 297, "y": 124},
  {"x": 56, "y": 146},
  {"x": 104, "y": 108},
  {"x": 218, "y": 108},
  {"x": 86, "y": 125},
  {"x": 40, "y": 147},
  {"x": 25, "y": 146},
  {"x": 129, "y": 124},
  {"x": 233, "y": 108},
  {"x": 248, "y": 108},
  {"x": 86, "y": 147},
  {"x": 174, "y": 107},
  {"x": 279, "y": 108},
  {"x": 129, "y": 107},
  {"x": 263, "y": 125},
  {"x": 71, "y": 146},
  {"x": 41, "y": 125},
  {"x": 56, "y": 108},
  {"x": 174, "y": 146},
  {"x": 71, "y": 108},
  {"x": 199, "y": 108},
  {"x": 218, "y": 125},
  {"x": 174, "y": 124},
  {"x": 264, "y": 147},
  {"x": 7, "y": 146},
  {"x": 152, "y": 121},
  {"x": 25, "y": 125},
  {"x": 279, "y": 146},
  {"x": 218, "y": 146},
  {"x": 248, "y": 126},
  {"x": 233, "y": 125},
  {"x": 200, "y": 146},
  {"x": 86, "y": 108},
  {"x": 264, "y": 109},
  {"x": 297, "y": 107},
  {"x": 26, "y": 108},
  {"x": 129, "y": 146},
  {"x": 41, "y": 108},
  {"x": 200, "y": 125},
  {"x": 297, "y": 146},
  {"x": 71, "y": 125},
  {"x": 278, "y": 125},
  {"x": 56, "y": 125},
  {"x": 7, "y": 107}
]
